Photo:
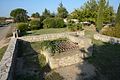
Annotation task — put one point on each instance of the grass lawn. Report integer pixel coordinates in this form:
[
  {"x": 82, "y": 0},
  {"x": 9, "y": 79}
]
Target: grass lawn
[
  {"x": 2, "y": 51},
  {"x": 45, "y": 31},
  {"x": 106, "y": 58}
]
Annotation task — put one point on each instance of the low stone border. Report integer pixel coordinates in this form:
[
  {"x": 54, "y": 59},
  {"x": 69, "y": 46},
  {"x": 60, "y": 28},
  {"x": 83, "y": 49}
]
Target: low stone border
[
  {"x": 50, "y": 36},
  {"x": 7, "y": 63},
  {"x": 105, "y": 38}
]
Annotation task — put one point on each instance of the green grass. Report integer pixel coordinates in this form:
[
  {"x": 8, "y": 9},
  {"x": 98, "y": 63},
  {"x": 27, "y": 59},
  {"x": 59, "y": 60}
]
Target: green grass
[
  {"x": 2, "y": 51},
  {"x": 45, "y": 31},
  {"x": 106, "y": 58}
]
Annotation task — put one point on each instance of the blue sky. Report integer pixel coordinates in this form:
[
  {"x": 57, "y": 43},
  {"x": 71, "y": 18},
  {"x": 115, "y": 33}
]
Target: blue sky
[{"x": 39, "y": 5}]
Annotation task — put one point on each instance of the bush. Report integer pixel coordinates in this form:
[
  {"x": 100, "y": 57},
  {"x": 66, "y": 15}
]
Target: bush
[
  {"x": 23, "y": 27},
  {"x": 51, "y": 45},
  {"x": 49, "y": 23},
  {"x": 35, "y": 24},
  {"x": 53, "y": 76},
  {"x": 112, "y": 31},
  {"x": 53, "y": 23},
  {"x": 74, "y": 27},
  {"x": 59, "y": 23}
]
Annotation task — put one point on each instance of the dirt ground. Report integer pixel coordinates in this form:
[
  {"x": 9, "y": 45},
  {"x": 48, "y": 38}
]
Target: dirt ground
[{"x": 80, "y": 71}]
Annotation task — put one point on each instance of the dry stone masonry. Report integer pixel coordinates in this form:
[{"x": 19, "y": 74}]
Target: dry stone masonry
[
  {"x": 50, "y": 36},
  {"x": 7, "y": 63},
  {"x": 105, "y": 38},
  {"x": 70, "y": 55}
]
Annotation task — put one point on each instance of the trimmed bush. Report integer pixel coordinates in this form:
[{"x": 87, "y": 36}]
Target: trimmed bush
[
  {"x": 23, "y": 27},
  {"x": 35, "y": 24},
  {"x": 53, "y": 23}
]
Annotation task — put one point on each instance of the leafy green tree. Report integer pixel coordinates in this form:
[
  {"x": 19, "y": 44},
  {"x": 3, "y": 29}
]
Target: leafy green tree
[
  {"x": 35, "y": 15},
  {"x": 90, "y": 10},
  {"x": 62, "y": 12},
  {"x": 100, "y": 16},
  {"x": 118, "y": 17},
  {"x": 76, "y": 14},
  {"x": 19, "y": 14}
]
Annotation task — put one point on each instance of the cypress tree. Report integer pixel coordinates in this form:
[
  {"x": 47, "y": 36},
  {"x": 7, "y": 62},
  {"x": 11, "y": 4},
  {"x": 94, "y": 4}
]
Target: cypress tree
[
  {"x": 118, "y": 17},
  {"x": 100, "y": 16}
]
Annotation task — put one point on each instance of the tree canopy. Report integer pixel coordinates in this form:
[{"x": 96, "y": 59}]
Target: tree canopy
[
  {"x": 19, "y": 14},
  {"x": 62, "y": 11},
  {"x": 90, "y": 10},
  {"x": 35, "y": 15}
]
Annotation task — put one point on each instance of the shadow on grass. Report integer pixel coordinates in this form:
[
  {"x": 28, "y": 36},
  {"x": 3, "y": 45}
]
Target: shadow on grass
[
  {"x": 28, "y": 65},
  {"x": 106, "y": 59}
]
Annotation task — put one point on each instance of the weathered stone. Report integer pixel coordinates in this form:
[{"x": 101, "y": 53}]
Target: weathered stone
[
  {"x": 7, "y": 62},
  {"x": 105, "y": 38}
]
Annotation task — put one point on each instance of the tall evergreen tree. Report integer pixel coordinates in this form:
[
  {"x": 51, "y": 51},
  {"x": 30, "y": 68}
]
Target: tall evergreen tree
[
  {"x": 100, "y": 17},
  {"x": 118, "y": 16},
  {"x": 62, "y": 12}
]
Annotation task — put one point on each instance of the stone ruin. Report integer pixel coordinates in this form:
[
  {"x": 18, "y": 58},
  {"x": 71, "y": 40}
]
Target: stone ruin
[{"x": 69, "y": 52}]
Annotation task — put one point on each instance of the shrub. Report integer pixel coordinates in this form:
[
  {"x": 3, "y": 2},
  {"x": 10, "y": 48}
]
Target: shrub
[
  {"x": 74, "y": 27},
  {"x": 35, "y": 24},
  {"x": 59, "y": 23},
  {"x": 53, "y": 76},
  {"x": 22, "y": 27},
  {"x": 53, "y": 23},
  {"x": 112, "y": 31},
  {"x": 51, "y": 45},
  {"x": 49, "y": 23}
]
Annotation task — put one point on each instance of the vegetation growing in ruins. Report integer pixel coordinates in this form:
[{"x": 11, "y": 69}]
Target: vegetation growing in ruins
[{"x": 52, "y": 45}]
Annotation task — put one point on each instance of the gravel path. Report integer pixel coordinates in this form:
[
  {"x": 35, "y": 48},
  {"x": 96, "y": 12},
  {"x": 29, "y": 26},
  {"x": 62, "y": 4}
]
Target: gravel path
[
  {"x": 3, "y": 32},
  {"x": 80, "y": 71}
]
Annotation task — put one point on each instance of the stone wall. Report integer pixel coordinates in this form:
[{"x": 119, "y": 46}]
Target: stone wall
[
  {"x": 50, "y": 36},
  {"x": 7, "y": 64},
  {"x": 105, "y": 38},
  {"x": 66, "y": 59},
  {"x": 85, "y": 44}
]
